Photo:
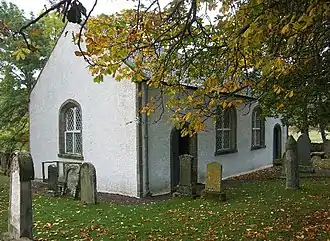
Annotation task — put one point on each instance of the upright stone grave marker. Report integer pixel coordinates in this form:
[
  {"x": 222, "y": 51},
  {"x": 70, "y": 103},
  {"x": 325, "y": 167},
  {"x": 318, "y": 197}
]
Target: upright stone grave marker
[
  {"x": 291, "y": 164},
  {"x": 316, "y": 159},
  {"x": 88, "y": 193},
  {"x": 72, "y": 181},
  {"x": 213, "y": 186},
  {"x": 187, "y": 186},
  {"x": 53, "y": 178},
  {"x": 20, "y": 207},
  {"x": 304, "y": 154}
]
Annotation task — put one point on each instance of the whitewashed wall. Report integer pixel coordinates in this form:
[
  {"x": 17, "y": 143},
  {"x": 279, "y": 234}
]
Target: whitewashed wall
[
  {"x": 242, "y": 161},
  {"x": 108, "y": 109}
]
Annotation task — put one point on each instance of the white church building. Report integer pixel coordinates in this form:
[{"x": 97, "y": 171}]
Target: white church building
[{"x": 73, "y": 118}]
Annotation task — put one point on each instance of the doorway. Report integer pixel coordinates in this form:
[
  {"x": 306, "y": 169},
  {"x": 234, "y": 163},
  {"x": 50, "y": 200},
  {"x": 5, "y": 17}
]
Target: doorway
[
  {"x": 180, "y": 145},
  {"x": 277, "y": 142}
]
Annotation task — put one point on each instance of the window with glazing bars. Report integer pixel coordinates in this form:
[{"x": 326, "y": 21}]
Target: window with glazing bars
[
  {"x": 258, "y": 128},
  {"x": 72, "y": 133},
  {"x": 226, "y": 130}
]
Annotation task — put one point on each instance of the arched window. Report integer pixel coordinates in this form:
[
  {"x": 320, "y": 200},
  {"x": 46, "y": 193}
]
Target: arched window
[
  {"x": 258, "y": 129},
  {"x": 226, "y": 131},
  {"x": 70, "y": 127}
]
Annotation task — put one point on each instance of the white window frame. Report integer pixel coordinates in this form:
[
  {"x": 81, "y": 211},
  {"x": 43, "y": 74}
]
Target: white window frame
[
  {"x": 221, "y": 130},
  {"x": 73, "y": 132},
  {"x": 257, "y": 139}
]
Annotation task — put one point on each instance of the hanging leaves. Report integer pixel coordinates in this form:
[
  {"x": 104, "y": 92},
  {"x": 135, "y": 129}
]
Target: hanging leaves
[{"x": 252, "y": 47}]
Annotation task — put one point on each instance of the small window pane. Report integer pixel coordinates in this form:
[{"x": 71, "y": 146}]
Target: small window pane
[
  {"x": 258, "y": 137},
  {"x": 226, "y": 144},
  {"x": 219, "y": 140},
  {"x": 258, "y": 121},
  {"x": 226, "y": 119},
  {"x": 69, "y": 142},
  {"x": 69, "y": 120},
  {"x": 78, "y": 142},
  {"x": 78, "y": 119}
]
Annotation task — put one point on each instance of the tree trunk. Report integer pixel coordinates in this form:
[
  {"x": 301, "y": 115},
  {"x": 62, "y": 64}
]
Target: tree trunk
[
  {"x": 305, "y": 130},
  {"x": 323, "y": 135}
]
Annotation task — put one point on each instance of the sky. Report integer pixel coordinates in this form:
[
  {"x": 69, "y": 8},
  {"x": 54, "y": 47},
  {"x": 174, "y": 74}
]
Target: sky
[{"x": 103, "y": 6}]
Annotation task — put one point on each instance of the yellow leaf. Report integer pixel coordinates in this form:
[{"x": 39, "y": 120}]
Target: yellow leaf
[
  {"x": 291, "y": 94},
  {"x": 187, "y": 116},
  {"x": 211, "y": 103},
  {"x": 285, "y": 29},
  {"x": 277, "y": 89}
]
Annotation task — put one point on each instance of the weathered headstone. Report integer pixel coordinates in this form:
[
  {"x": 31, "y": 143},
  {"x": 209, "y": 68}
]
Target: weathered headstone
[
  {"x": 304, "y": 154},
  {"x": 72, "y": 181},
  {"x": 187, "y": 185},
  {"x": 213, "y": 185},
  {"x": 291, "y": 164},
  {"x": 315, "y": 160},
  {"x": 53, "y": 178},
  {"x": 20, "y": 207},
  {"x": 88, "y": 192}
]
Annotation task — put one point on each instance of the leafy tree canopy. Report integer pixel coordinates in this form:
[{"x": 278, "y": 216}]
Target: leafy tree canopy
[
  {"x": 19, "y": 68},
  {"x": 274, "y": 50}
]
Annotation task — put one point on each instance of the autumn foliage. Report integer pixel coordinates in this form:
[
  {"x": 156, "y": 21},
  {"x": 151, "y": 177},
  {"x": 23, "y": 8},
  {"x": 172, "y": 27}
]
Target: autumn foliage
[
  {"x": 254, "y": 47},
  {"x": 275, "y": 51}
]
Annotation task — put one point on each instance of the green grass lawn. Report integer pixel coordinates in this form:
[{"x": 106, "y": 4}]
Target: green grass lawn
[{"x": 257, "y": 210}]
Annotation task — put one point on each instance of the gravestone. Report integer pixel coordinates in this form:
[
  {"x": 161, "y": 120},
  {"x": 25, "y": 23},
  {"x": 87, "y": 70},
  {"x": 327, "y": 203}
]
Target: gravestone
[
  {"x": 213, "y": 185},
  {"x": 187, "y": 185},
  {"x": 88, "y": 193},
  {"x": 20, "y": 222},
  {"x": 72, "y": 181},
  {"x": 315, "y": 160},
  {"x": 291, "y": 164},
  {"x": 304, "y": 154},
  {"x": 53, "y": 178}
]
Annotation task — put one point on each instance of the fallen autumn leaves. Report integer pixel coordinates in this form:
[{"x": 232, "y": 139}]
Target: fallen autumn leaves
[{"x": 256, "y": 210}]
